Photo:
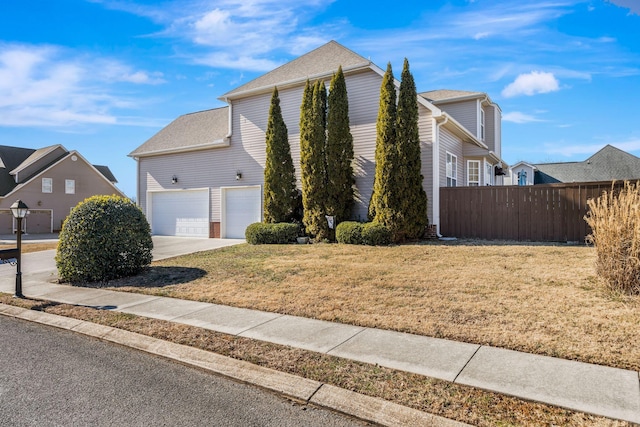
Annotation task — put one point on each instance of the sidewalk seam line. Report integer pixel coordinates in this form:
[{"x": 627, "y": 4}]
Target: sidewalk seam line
[
  {"x": 345, "y": 341},
  {"x": 466, "y": 364},
  {"x": 260, "y": 324}
]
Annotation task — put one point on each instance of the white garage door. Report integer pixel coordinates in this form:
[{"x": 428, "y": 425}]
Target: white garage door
[
  {"x": 180, "y": 213},
  {"x": 242, "y": 206}
]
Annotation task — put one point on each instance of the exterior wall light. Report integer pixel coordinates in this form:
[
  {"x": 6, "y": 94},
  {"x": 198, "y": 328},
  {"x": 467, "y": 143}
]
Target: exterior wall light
[
  {"x": 238, "y": 176},
  {"x": 174, "y": 179}
]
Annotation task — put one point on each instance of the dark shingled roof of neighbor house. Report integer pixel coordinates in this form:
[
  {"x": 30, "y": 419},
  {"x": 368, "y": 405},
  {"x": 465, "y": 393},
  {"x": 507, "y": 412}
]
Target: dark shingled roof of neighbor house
[{"x": 608, "y": 164}]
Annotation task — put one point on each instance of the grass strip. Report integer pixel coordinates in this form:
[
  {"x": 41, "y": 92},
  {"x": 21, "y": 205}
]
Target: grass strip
[{"x": 462, "y": 403}]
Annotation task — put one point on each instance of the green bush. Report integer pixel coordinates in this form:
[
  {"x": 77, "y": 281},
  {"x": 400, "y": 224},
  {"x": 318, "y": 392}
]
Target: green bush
[
  {"x": 260, "y": 233},
  {"x": 103, "y": 238},
  {"x": 369, "y": 233},
  {"x": 374, "y": 234},
  {"x": 349, "y": 232}
]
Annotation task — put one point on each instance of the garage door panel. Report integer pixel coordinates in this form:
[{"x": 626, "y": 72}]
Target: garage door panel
[
  {"x": 180, "y": 213},
  {"x": 243, "y": 206}
]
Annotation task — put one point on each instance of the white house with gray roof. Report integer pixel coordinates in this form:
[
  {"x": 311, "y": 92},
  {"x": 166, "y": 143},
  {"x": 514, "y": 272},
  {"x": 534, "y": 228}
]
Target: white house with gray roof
[{"x": 202, "y": 175}]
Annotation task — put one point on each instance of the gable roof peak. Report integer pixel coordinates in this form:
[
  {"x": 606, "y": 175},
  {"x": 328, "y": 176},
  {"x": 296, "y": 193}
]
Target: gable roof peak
[{"x": 323, "y": 60}]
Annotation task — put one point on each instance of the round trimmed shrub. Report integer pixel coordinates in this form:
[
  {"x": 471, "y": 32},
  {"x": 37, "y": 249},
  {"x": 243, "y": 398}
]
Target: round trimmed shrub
[
  {"x": 349, "y": 232},
  {"x": 103, "y": 238},
  {"x": 374, "y": 234},
  {"x": 260, "y": 233}
]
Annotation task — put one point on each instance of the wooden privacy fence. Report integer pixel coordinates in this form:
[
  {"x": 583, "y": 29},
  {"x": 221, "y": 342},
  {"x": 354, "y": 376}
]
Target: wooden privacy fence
[{"x": 543, "y": 213}]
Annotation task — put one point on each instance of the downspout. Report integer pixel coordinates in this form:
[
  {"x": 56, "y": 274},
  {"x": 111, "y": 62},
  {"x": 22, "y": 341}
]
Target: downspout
[
  {"x": 228, "y": 135},
  {"x": 436, "y": 173}
]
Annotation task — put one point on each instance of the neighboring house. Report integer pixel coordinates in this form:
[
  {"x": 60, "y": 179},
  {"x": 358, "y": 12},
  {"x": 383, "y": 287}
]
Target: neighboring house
[
  {"x": 202, "y": 175},
  {"x": 51, "y": 181},
  {"x": 608, "y": 164}
]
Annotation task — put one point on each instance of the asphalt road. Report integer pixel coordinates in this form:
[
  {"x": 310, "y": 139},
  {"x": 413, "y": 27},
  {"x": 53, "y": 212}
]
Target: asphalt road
[{"x": 58, "y": 378}]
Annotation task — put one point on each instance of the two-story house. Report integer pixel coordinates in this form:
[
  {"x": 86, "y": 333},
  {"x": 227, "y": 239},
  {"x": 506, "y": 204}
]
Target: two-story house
[
  {"x": 202, "y": 175},
  {"x": 51, "y": 181}
]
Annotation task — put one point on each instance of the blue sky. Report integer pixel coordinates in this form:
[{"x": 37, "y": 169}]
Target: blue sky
[{"x": 103, "y": 76}]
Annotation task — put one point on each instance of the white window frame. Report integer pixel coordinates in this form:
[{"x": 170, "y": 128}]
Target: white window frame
[
  {"x": 452, "y": 170},
  {"x": 47, "y": 185},
  {"x": 70, "y": 186},
  {"x": 475, "y": 182},
  {"x": 481, "y": 124},
  {"x": 488, "y": 173}
]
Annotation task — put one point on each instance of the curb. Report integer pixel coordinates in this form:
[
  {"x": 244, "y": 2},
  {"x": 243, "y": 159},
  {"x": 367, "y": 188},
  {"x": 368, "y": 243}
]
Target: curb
[{"x": 367, "y": 408}]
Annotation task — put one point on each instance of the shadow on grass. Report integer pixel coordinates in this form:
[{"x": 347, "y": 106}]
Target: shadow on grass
[{"x": 151, "y": 277}]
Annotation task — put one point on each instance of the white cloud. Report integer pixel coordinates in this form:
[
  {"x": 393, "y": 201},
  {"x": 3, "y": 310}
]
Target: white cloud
[
  {"x": 237, "y": 34},
  {"x": 519, "y": 118},
  {"x": 238, "y": 62},
  {"x": 632, "y": 5},
  {"x": 46, "y": 86},
  {"x": 530, "y": 84}
]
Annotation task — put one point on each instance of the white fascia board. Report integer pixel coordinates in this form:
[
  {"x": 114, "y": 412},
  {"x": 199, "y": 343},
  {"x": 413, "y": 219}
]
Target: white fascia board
[{"x": 218, "y": 143}]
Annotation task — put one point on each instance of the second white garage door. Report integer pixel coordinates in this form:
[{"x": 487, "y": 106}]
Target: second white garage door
[
  {"x": 180, "y": 213},
  {"x": 241, "y": 206}
]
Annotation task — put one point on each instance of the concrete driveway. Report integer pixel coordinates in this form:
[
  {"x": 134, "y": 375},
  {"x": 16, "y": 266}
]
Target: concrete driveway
[
  {"x": 170, "y": 246},
  {"x": 163, "y": 247}
]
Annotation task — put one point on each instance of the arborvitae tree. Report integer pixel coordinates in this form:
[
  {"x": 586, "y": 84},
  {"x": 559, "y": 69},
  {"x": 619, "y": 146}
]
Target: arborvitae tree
[
  {"x": 383, "y": 205},
  {"x": 412, "y": 216},
  {"x": 312, "y": 159},
  {"x": 279, "y": 174},
  {"x": 339, "y": 152}
]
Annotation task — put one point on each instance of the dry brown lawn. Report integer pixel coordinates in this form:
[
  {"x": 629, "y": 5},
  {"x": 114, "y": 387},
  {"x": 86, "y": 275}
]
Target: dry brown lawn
[
  {"x": 32, "y": 247},
  {"x": 543, "y": 299}
]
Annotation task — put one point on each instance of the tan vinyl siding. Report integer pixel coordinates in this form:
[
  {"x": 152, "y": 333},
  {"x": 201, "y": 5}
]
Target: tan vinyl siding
[
  {"x": 472, "y": 150},
  {"x": 88, "y": 182},
  {"x": 465, "y": 113}
]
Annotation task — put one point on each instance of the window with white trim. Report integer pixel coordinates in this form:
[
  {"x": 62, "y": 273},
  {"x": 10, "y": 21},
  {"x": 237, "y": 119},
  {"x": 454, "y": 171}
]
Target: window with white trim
[
  {"x": 488, "y": 173},
  {"x": 70, "y": 186},
  {"x": 473, "y": 173},
  {"x": 481, "y": 124},
  {"x": 452, "y": 170},
  {"x": 47, "y": 185}
]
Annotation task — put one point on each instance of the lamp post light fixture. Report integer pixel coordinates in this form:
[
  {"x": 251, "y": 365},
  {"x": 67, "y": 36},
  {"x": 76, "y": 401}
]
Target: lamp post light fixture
[{"x": 19, "y": 210}]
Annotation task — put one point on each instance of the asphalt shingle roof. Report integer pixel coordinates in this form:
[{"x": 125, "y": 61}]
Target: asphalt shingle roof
[
  {"x": 192, "y": 130},
  {"x": 608, "y": 164},
  {"x": 324, "y": 60},
  {"x": 448, "y": 94}
]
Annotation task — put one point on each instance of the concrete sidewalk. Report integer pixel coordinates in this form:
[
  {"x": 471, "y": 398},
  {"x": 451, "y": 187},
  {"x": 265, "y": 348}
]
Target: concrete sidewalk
[{"x": 595, "y": 389}]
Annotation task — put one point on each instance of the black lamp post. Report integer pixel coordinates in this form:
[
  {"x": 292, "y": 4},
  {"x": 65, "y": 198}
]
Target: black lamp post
[{"x": 19, "y": 210}]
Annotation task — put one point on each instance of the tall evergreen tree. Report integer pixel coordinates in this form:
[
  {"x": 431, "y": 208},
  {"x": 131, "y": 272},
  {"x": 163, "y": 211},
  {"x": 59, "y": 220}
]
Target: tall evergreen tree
[
  {"x": 383, "y": 205},
  {"x": 339, "y": 151},
  {"x": 412, "y": 199},
  {"x": 279, "y": 174},
  {"x": 312, "y": 159}
]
